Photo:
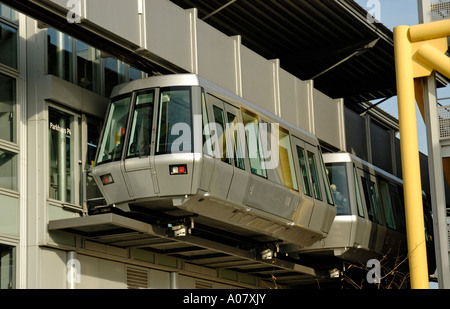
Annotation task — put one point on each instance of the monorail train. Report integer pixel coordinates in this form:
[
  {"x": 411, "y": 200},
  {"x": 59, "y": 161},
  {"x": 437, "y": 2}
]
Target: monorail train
[
  {"x": 370, "y": 220},
  {"x": 179, "y": 151}
]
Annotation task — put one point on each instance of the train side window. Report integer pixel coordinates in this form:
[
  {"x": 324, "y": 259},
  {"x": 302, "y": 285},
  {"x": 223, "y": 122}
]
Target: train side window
[
  {"x": 174, "y": 121},
  {"x": 337, "y": 173},
  {"x": 398, "y": 206},
  {"x": 358, "y": 195},
  {"x": 233, "y": 126},
  {"x": 314, "y": 175},
  {"x": 139, "y": 145},
  {"x": 387, "y": 205},
  {"x": 207, "y": 145},
  {"x": 326, "y": 181},
  {"x": 219, "y": 119},
  {"x": 304, "y": 170},
  {"x": 371, "y": 196},
  {"x": 113, "y": 137},
  {"x": 286, "y": 160},
  {"x": 254, "y": 144}
]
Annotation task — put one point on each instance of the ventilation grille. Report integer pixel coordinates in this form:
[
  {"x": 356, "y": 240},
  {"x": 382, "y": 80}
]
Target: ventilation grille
[
  {"x": 137, "y": 278},
  {"x": 440, "y": 9},
  {"x": 444, "y": 122}
]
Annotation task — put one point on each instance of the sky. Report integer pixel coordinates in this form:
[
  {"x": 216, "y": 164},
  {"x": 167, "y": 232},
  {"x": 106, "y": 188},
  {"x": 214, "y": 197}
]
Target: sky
[{"x": 394, "y": 13}]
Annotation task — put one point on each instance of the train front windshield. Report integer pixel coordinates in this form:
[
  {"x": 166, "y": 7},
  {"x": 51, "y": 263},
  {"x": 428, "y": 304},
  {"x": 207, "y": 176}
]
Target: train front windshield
[
  {"x": 337, "y": 173},
  {"x": 173, "y": 124}
]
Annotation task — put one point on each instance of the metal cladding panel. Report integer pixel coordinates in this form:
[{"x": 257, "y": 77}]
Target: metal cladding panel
[
  {"x": 168, "y": 32},
  {"x": 326, "y": 119},
  {"x": 355, "y": 134},
  {"x": 118, "y": 16},
  {"x": 257, "y": 80},
  {"x": 295, "y": 100},
  {"x": 381, "y": 148},
  {"x": 217, "y": 57}
]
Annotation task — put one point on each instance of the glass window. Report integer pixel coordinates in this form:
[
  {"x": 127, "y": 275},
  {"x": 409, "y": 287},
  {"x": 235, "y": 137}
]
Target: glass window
[
  {"x": 286, "y": 160},
  {"x": 93, "y": 135},
  {"x": 115, "y": 74},
  {"x": 114, "y": 134},
  {"x": 175, "y": 121},
  {"x": 396, "y": 194},
  {"x": 337, "y": 173},
  {"x": 7, "y": 108},
  {"x": 358, "y": 195},
  {"x": 233, "y": 126},
  {"x": 207, "y": 145},
  {"x": 8, "y": 13},
  {"x": 141, "y": 128},
  {"x": 88, "y": 67},
  {"x": 220, "y": 121},
  {"x": 254, "y": 145},
  {"x": 62, "y": 152},
  {"x": 314, "y": 176},
  {"x": 370, "y": 193},
  {"x": 325, "y": 179},
  {"x": 387, "y": 205},
  {"x": 304, "y": 170},
  {"x": 8, "y": 170},
  {"x": 8, "y": 45},
  {"x": 60, "y": 54},
  {"x": 136, "y": 74},
  {"x": 7, "y": 267}
]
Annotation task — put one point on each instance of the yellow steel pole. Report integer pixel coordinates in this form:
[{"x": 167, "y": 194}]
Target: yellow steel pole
[
  {"x": 435, "y": 58},
  {"x": 435, "y": 29},
  {"x": 417, "y": 254}
]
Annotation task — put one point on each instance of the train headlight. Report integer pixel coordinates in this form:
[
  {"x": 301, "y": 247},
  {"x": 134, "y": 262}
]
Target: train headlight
[
  {"x": 178, "y": 169},
  {"x": 107, "y": 179}
]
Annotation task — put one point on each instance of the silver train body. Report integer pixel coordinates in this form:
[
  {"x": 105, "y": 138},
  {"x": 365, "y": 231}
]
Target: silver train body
[
  {"x": 177, "y": 149},
  {"x": 370, "y": 220}
]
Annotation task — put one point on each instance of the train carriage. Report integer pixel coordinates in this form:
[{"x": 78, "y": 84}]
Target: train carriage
[
  {"x": 370, "y": 221},
  {"x": 179, "y": 151}
]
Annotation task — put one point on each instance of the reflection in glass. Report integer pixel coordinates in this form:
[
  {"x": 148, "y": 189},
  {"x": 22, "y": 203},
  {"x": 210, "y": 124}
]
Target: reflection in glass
[
  {"x": 61, "y": 156},
  {"x": 7, "y": 267},
  {"x": 8, "y": 170},
  {"x": 8, "y": 45},
  {"x": 337, "y": 174},
  {"x": 7, "y": 108},
  {"x": 114, "y": 135},
  {"x": 60, "y": 53},
  {"x": 88, "y": 67},
  {"x": 114, "y": 74},
  {"x": 141, "y": 128},
  {"x": 174, "y": 110}
]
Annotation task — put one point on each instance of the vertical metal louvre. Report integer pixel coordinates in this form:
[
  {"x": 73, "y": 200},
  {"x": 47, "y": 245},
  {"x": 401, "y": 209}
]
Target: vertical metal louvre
[{"x": 137, "y": 278}]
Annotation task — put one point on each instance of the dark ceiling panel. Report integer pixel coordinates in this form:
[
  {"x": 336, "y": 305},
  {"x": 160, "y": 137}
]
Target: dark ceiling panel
[{"x": 310, "y": 37}]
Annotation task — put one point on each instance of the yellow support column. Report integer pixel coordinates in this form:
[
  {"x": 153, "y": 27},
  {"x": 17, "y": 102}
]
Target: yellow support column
[{"x": 417, "y": 254}]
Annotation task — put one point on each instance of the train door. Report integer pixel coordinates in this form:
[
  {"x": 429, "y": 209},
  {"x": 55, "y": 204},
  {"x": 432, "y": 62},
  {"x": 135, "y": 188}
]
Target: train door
[
  {"x": 374, "y": 211},
  {"x": 319, "y": 191},
  {"x": 139, "y": 165},
  {"x": 306, "y": 207},
  {"x": 221, "y": 148},
  {"x": 362, "y": 226},
  {"x": 236, "y": 137}
]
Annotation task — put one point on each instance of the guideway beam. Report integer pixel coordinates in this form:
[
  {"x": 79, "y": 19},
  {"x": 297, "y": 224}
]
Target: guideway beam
[{"x": 419, "y": 50}]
